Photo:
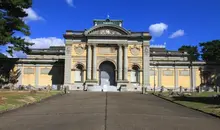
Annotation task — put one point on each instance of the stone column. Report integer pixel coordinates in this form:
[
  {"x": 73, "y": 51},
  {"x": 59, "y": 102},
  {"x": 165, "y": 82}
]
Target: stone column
[
  {"x": 94, "y": 63},
  {"x": 176, "y": 78},
  {"x": 89, "y": 62},
  {"x": 125, "y": 63},
  {"x": 192, "y": 78},
  {"x": 159, "y": 77},
  {"x": 146, "y": 65},
  {"x": 37, "y": 74},
  {"x": 68, "y": 64},
  {"x": 120, "y": 62}
]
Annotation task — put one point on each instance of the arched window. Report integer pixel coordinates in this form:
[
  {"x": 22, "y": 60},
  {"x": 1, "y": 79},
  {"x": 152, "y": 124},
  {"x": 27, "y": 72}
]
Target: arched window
[
  {"x": 135, "y": 74},
  {"x": 79, "y": 73}
]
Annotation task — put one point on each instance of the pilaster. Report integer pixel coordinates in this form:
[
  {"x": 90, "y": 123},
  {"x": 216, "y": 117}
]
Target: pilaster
[
  {"x": 159, "y": 76},
  {"x": 68, "y": 64},
  {"x": 37, "y": 74},
  {"x": 192, "y": 78},
  {"x": 89, "y": 62},
  {"x": 146, "y": 65},
  {"x": 176, "y": 78}
]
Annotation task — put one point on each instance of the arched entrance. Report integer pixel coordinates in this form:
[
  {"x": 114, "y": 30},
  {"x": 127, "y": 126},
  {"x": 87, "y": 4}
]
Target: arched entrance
[{"x": 107, "y": 74}]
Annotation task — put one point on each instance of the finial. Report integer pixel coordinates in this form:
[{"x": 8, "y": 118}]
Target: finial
[{"x": 108, "y": 17}]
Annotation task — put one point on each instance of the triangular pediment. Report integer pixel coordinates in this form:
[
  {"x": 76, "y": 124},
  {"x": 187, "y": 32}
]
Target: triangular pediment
[{"x": 107, "y": 30}]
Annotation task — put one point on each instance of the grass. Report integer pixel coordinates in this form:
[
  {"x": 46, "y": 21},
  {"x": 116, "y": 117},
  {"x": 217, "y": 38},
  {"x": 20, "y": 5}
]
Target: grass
[
  {"x": 14, "y": 99},
  {"x": 204, "y": 101}
]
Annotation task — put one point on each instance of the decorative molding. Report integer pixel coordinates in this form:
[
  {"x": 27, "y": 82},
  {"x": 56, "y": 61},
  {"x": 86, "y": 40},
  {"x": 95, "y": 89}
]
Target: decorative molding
[
  {"x": 135, "y": 50},
  {"x": 79, "y": 49},
  {"x": 68, "y": 50},
  {"x": 105, "y": 31},
  {"x": 146, "y": 50}
]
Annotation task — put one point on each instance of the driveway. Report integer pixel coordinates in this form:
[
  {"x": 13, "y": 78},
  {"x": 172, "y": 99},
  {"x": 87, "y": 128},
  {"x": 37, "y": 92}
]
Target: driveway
[{"x": 107, "y": 111}]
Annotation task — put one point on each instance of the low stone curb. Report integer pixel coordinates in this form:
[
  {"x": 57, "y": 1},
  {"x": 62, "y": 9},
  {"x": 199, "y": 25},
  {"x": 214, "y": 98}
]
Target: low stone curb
[
  {"x": 30, "y": 104},
  {"x": 211, "y": 114}
]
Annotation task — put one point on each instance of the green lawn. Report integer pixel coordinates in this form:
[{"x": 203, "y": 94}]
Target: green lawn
[
  {"x": 201, "y": 101},
  {"x": 14, "y": 99}
]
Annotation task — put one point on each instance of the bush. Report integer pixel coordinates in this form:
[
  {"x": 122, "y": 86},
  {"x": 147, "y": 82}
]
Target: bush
[{"x": 33, "y": 91}]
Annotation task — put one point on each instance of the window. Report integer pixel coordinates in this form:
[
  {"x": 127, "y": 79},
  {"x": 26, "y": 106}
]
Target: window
[
  {"x": 167, "y": 73},
  {"x": 28, "y": 71},
  {"x": 184, "y": 73},
  {"x": 135, "y": 74},
  {"x": 79, "y": 73},
  {"x": 45, "y": 71}
]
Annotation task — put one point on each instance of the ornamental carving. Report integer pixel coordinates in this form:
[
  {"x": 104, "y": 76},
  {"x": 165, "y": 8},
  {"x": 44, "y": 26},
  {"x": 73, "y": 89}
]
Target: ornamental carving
[
  {"x": 68, "y": 50},
  {"x": 79, "y": 49},
  {"x": 105, "y": 32},
  {"x": 135, "y": 50},
  {"x": 146, "y": 51}
]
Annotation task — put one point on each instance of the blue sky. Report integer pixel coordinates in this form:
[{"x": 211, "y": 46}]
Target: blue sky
[{"x": 194, "y": 21}]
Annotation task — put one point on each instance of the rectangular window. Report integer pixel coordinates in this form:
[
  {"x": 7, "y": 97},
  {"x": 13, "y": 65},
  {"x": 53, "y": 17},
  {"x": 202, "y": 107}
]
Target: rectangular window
[
  {"x": 184, "y": 73},
  {"x": 28, "y": 71},
  {"x": 45, "y": 71},
  {"x": 168, "y": 73}
]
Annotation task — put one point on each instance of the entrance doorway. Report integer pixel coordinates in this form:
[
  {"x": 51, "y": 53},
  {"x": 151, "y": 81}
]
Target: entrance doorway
[{"x": 107, "y": 74}]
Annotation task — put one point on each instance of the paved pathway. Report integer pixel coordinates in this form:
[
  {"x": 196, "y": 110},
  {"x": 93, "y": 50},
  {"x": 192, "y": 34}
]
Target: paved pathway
[{"x": 107, "y": 111}]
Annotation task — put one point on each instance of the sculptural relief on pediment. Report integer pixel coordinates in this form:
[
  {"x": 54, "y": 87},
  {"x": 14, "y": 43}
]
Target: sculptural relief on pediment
[{"x": 105, "y": 32}]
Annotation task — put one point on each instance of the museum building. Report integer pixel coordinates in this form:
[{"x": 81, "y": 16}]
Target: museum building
[{"x": 108, "y": 57}]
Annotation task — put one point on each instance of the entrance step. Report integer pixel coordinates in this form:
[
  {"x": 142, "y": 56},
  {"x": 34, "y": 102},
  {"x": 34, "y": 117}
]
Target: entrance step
[{"x": 104, "y": 88}]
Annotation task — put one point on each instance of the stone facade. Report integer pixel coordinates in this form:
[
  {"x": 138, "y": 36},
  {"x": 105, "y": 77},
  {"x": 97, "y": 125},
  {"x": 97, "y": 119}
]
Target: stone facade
[{"x": 108, "y": 52}]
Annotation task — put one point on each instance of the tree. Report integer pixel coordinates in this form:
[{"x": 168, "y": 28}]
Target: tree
[
  {"x": 3, "y": 56},
  {"x": 13, "y": 77},
  {"x": 11, "y": 22},
  {"x": 192, "y": 51},
  {"x": 211, "y": 51}
]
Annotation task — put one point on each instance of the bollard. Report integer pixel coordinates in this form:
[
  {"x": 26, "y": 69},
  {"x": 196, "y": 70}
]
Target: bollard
[
  {"x": 162, "y": 89},
  {"x": 181, "y": 89},
  {"x": 218, "y": 89}
]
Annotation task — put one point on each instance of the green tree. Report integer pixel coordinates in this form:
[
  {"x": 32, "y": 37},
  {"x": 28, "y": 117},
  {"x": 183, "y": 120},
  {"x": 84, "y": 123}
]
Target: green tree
[
  {"x": 11, "y": 22},
  {"x": 192, "y": 51},
  {"x": 2, "y": 56},
  {"x": 211, "y": 51}
]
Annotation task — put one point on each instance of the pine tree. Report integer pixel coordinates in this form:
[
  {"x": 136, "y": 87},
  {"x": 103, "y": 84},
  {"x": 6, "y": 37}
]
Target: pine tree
[{"x": 11, "y": 23}]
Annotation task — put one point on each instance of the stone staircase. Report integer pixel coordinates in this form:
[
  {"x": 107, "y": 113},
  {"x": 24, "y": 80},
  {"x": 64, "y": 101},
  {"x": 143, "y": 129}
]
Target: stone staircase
[{"x": 104, "y": 88}]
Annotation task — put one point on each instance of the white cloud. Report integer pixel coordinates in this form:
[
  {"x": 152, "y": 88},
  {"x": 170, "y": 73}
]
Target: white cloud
[
  {"x": 38, "y": 43},
  {"x": 45, "y": 42},
  {"x": 8, "y": 55},
  {"x": 70, "y": 3},
  {"x": 178, "y": 33},
  {"x": 158, "y": 29},
  {"x": 32, "y": 15}
]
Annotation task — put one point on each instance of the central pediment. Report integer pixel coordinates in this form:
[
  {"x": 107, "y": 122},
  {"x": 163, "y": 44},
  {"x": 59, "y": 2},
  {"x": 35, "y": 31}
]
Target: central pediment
[{"x": 107, "y": 30}]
